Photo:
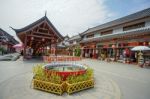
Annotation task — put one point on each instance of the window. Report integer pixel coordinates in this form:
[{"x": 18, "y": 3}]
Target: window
[
  {"x": 71, "y": 42},
  {"x": 106, "y": 32},
  {"x": 90, "y": 36},
  {"x": 134, "y": 26}
]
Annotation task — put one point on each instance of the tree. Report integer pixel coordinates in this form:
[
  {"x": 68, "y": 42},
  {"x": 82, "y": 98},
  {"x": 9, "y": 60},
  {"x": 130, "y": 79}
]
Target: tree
[
  {"x": 1, "y": 50},
  {"x": 77, "y": 51}
]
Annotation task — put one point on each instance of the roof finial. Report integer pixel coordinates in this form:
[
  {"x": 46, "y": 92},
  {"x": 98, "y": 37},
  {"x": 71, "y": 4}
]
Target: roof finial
[
  {"x": 45, "y": 13},
  {"x": 11, "y": 27}
]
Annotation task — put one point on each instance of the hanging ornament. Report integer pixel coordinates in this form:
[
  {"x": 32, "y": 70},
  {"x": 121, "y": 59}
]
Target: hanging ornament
[
  {"x": 32, "y": 38},
  {"x": 144, "y": 43},
  {"x": 113, "y": 46},
  {"x": 43, "y": 39}
]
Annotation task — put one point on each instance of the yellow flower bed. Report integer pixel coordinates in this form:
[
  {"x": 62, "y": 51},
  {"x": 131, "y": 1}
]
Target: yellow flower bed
[
  {"x": 48, "y": 86},
  {"x": 74, "y": 87}
]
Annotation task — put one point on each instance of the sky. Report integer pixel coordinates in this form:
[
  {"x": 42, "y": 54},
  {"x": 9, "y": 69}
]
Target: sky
[{"x": 70, "y": 17}]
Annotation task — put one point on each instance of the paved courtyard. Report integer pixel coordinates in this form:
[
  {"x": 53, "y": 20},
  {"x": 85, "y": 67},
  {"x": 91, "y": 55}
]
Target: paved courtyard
[{"x": 113, "y": 81}]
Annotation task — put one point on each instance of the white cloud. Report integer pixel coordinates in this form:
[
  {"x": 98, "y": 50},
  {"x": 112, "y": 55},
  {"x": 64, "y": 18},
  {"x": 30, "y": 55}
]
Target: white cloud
[{"x": 68, "y": 16}]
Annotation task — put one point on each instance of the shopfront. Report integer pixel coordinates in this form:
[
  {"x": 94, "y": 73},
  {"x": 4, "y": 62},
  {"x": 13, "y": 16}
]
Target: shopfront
[
  {"x": 120, "y": 51},
  {"x": 89, "y": 51}
]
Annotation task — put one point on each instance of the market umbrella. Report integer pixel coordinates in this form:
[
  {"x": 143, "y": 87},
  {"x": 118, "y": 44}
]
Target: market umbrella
[
  {"x": 18, "y": 46},
  {"x": 140, "y": 48}
]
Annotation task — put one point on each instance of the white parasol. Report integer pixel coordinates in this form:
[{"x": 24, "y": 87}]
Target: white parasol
[{"x": 140, "y": 48}]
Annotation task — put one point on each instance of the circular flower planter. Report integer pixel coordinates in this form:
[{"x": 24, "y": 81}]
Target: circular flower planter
[
  {"x": 62, "y": 77},
  {"x": 65, "y": 69}
]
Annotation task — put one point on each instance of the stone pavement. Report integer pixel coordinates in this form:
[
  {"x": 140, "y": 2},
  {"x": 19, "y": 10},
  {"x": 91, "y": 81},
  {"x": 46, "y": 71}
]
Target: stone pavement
[{"x": 134, "y": 82}]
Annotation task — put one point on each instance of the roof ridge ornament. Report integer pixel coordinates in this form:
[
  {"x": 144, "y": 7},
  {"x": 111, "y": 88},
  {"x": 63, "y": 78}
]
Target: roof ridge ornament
[
  {"x": 11, "y": 27},
  {"x": 45, "y": 13}
]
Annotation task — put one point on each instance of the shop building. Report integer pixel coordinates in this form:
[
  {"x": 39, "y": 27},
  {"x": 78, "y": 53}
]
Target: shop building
[
  {"x": 115, "y": 39},
  {"x": 74, "y": 44},
  {"x": 7, "y": 42}
]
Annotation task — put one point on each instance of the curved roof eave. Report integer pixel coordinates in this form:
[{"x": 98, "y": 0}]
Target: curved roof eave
[{"x": 37, "y": 22}]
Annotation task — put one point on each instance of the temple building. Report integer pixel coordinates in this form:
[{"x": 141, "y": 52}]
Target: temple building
[
  {"x": 7, "y": 42},
  {"x": 115, "y": 39},
  {"x": 39, "y": 38}
]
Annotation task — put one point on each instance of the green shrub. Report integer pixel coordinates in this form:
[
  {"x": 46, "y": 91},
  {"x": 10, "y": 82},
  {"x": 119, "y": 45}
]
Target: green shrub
[
  {"x": 41, "y": 74},
  {"x": 77, "y": 51},
  {"x": 78, "y": 78},
  {"x": 38, "y": 72},
  {"x": 55, "y": 78},
  {"x": 2, "y": 49}
]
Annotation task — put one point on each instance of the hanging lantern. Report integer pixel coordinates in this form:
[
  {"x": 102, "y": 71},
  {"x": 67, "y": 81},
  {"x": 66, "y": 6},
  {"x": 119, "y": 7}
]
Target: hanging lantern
[
  {"x": 43, "y": 39},
  {"x": 113, "y": 46},
  {"x": 144, "y": 43},
  {"x": 32, "y": 38},
  {"x": 57, "y": 41},
  {"x": 122, "y": 45}
]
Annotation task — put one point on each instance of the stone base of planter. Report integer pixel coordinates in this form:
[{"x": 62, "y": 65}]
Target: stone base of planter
[
  {"x": 48, "y": 86},
  {"x": 75, "y": 87}
]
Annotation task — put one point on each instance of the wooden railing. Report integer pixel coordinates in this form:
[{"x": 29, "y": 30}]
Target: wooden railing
[{"x": 49, "y": 59}]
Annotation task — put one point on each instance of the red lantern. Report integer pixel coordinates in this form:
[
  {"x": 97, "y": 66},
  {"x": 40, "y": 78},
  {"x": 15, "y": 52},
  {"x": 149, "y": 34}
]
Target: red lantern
[
  {"x": 43, "y": 39},
  {"x": 113, "y": 46},
  {"x": 32, "y": 38},
  {"x": 144, "y": 43}
]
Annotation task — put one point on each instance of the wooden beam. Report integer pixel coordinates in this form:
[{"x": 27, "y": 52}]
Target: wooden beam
[
  {"x": 41, "y": 37},
  {"x": 50, "y": 28},
  {"x": 43, "y": 33},
  {"x": 43, "y": 29}
]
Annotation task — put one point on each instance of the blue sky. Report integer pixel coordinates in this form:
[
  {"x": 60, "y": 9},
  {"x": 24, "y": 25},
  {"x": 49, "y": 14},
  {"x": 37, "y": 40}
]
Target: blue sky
[
  {"x": 68, "y": 16},
  {"x": 122, "y": 8}
]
